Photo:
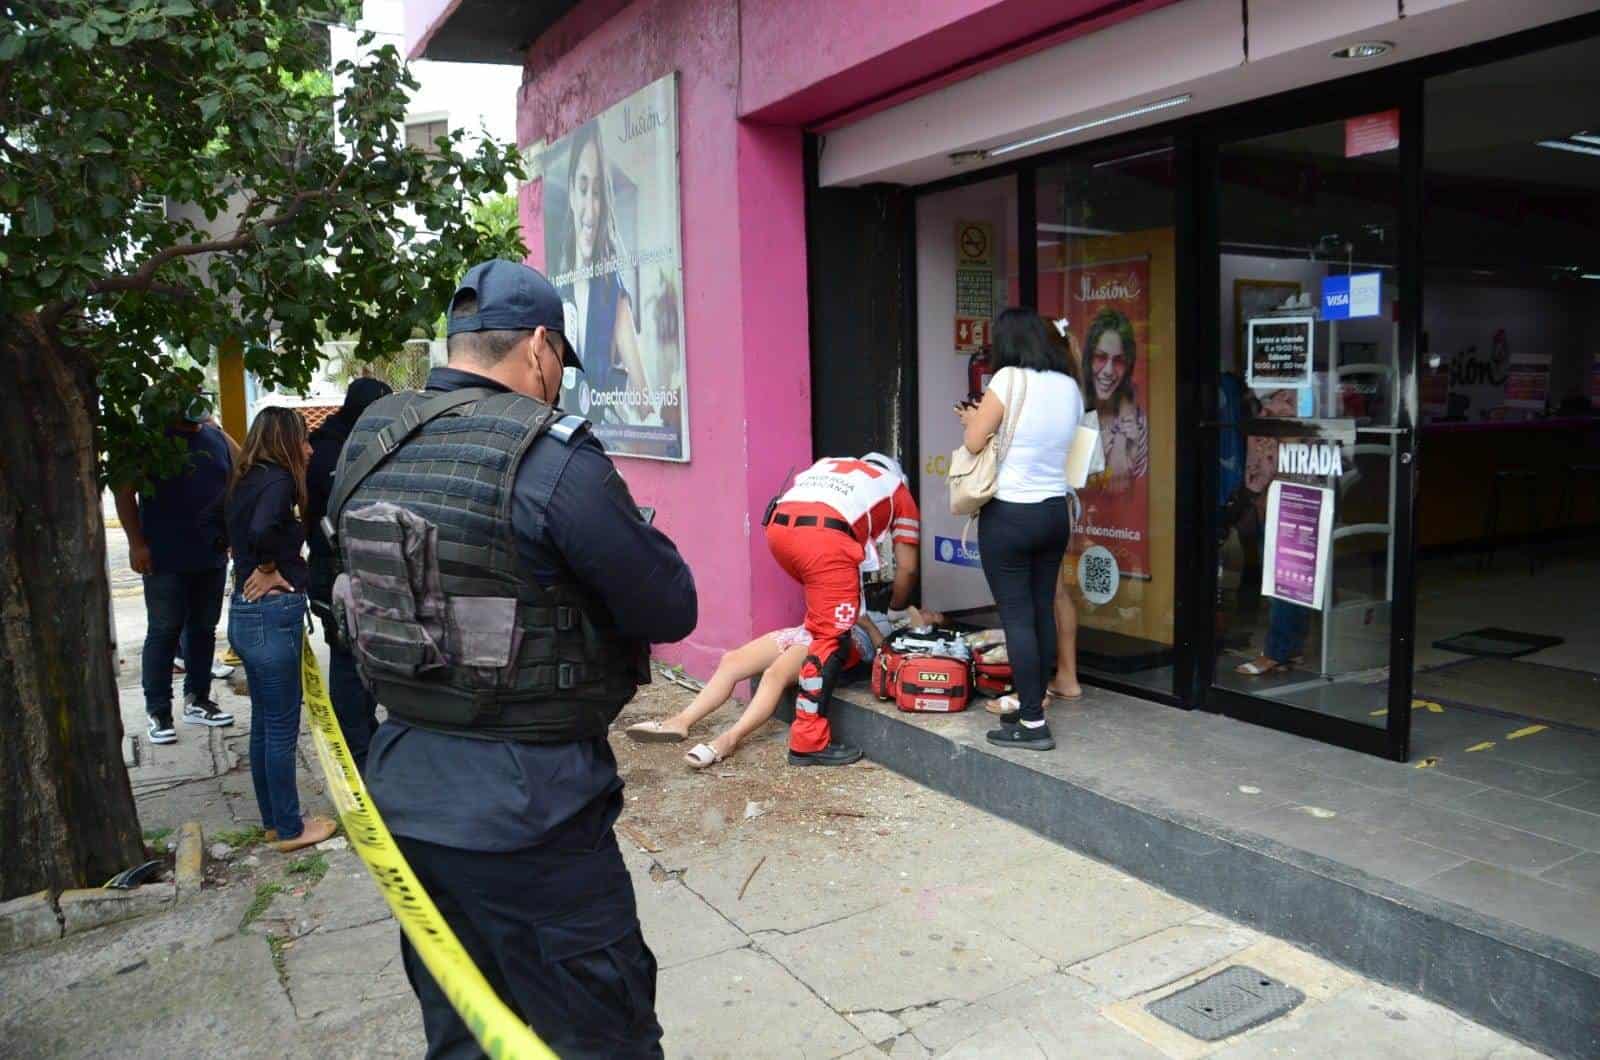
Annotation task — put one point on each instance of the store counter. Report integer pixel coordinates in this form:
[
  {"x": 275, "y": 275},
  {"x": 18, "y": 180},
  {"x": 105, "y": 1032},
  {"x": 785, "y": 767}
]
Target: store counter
[{"x": 1456, "y": 477}]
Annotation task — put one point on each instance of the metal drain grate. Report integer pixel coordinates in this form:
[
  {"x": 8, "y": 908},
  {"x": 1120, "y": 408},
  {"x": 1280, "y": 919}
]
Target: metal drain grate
[{"x": 1230, "y": 1002}]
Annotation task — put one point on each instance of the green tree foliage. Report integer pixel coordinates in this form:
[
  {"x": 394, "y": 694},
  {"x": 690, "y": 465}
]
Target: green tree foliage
[{"x": 180, "y": 175}]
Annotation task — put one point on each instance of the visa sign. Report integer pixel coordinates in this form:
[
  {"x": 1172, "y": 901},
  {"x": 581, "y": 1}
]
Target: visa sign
[{"x": 1359, "y": 295}]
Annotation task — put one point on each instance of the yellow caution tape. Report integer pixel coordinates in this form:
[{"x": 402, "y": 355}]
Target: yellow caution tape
[{"x": 499, "y": 1030}]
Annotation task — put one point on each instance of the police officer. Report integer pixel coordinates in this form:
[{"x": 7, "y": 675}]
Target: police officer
[{"x": 541, "y": 588}]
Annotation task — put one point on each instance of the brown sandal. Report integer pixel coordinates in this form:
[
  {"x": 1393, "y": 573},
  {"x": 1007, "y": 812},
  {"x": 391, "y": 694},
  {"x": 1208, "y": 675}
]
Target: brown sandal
[{"x": 316, "y": 830}]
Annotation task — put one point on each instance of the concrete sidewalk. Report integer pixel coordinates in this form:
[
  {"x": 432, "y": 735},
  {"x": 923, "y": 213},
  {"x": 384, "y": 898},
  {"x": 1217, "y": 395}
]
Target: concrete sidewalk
[{"x": 794, "y": 913}]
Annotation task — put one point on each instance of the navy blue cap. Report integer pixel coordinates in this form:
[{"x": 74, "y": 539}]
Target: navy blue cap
[{"x": 512, "y": 297}]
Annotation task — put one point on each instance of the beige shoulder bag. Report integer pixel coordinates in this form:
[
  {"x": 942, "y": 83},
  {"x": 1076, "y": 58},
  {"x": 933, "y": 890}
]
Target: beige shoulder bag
[{"x": 974, "y": 477}]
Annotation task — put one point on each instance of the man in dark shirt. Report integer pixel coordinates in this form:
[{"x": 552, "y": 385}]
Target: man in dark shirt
[
  {"x": 353, "y": 704},
  {"x": 513, "y": 840},
  {"x": 175, "y": 543}
]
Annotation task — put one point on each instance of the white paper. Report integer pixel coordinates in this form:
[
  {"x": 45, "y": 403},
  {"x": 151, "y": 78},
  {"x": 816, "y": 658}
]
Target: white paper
[{"x": 1084, "y": 456}]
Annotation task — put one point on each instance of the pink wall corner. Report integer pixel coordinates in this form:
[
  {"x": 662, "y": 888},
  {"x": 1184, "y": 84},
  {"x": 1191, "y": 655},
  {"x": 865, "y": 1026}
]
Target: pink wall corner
[
  {"x": 530, "y": 211},
  {"x": 777, "y": 382}
]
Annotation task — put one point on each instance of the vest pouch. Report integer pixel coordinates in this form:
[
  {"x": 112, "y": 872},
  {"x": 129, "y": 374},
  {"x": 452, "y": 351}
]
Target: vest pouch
[
  {"x": 396, "y": 605},
  {"x": 483, "y": 639}
]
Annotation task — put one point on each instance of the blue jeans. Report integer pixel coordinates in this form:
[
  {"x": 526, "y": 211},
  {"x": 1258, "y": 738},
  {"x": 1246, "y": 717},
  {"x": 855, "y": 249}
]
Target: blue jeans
[
  {"x": 267, "y": 635},
  {"x": 1287, "y": 626},
  {"x": 182, "y": 605}
]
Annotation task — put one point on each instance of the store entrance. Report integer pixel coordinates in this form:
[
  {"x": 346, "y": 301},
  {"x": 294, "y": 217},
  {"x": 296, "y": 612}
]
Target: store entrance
[
  {"x": 1509, "y": 481},
  {"x": 1313, "y": 442}
]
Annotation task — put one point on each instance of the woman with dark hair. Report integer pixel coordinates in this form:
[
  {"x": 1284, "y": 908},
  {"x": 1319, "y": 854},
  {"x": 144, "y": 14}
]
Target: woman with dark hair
[
  {"x": 1108, "y": 381},
  {"x": 600, "y": 322},
  {"x": 267, "y": 616},
  {"x": 1024, "y": 530}
]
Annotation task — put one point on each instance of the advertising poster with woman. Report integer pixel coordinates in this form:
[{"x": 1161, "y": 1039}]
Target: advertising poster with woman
[
  {"x": 1108, "y": 310},
  {"x": 613, "y": 250}
]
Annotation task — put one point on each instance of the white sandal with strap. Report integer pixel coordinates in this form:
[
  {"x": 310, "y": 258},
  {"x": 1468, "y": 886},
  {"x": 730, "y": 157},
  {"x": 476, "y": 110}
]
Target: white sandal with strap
[
  {"x": 702, "y": 755},
  {"x": 652, "y": 732}
]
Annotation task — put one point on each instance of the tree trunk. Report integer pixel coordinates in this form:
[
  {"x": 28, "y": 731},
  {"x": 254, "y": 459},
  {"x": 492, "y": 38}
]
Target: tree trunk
[{"x": 67, "y": 816}]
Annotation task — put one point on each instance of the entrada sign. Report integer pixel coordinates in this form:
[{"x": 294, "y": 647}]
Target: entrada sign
[{"x": 1320, "y": 459}]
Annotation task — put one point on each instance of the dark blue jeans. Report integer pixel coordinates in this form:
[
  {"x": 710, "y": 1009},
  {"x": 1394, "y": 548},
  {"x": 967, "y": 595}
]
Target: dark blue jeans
[
  {"x": 267, "y": 636},
  {"x": 1287, "y": 626},
  {"x": 182, "y": 605}
]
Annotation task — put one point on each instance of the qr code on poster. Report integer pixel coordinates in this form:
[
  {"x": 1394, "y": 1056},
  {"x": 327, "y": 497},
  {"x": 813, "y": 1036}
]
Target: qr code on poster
[{"x": 1099, "y": 574}]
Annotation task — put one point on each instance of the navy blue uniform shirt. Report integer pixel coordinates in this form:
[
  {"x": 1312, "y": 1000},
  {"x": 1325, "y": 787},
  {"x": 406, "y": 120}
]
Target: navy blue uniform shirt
[
  {"x": 181, "y": 516},
  {"x": 497, "y": 795}
]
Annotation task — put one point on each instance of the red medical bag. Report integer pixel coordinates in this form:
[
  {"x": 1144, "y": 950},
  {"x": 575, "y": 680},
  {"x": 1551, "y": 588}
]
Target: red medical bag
[
  {"x": 930, "y": 684},
  {"x": 885, "y": 669},
  {"x": 991, "y": 670}
]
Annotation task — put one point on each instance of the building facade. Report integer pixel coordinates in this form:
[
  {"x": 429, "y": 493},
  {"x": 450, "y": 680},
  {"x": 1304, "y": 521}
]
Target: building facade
[{"x": 1306, "y": 248}]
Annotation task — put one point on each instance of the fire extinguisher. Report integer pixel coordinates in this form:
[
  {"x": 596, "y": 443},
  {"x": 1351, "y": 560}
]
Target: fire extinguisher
[{"x": 980, "y": 369}]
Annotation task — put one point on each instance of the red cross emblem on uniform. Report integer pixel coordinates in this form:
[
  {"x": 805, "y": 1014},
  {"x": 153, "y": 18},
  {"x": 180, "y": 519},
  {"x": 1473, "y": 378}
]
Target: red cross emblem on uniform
[{"x": 845, "y": 615}]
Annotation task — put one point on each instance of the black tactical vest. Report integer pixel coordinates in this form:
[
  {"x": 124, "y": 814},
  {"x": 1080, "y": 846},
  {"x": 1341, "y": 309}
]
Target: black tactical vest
[{"x": 448, "y": 627}]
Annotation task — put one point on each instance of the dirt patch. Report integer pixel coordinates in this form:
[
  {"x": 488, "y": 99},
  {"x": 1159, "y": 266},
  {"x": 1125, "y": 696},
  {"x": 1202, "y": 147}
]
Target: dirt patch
[{"x": 671, "y": 807}]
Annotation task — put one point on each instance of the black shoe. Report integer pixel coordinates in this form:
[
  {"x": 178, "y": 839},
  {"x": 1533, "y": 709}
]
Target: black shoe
[
  {"x": 1021, "y": 736},
  {"x": 835, "y": 754},
  {"x": 204, "y": 712},
  {"x": 161, "y": 730}
]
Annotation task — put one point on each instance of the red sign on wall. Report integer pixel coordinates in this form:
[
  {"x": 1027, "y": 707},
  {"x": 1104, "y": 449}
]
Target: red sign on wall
[
  {"x": 972, "y": 333},
  {"x": 1371, "y": 133}
]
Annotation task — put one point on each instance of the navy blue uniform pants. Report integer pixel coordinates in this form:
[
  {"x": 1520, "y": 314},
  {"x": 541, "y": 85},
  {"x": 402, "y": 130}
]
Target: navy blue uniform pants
[
  {"x": 353, "y": 703},
  {"x": 556, "y": 934}
]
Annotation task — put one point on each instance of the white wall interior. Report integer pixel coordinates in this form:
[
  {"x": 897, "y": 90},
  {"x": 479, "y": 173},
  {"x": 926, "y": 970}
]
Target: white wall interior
[
  {"x": 1195, "y": 46},
  {"x": 942, "y": 377}
]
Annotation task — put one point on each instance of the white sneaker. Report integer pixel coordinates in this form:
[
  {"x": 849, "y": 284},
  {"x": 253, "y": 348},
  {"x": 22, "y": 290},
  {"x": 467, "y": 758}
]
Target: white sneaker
[
  {"x": 203, "y": 712},
  {"x": 221, "y": 671},
  {"x": 161, "y": 731}
]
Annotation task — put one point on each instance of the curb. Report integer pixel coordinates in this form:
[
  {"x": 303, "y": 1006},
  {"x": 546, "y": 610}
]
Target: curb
[
  {"x": 40, "y": 918},
  {"x": 189, "y": 872}
]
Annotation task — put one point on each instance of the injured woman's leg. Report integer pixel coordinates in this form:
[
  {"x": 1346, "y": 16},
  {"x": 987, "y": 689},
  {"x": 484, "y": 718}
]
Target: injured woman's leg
[{"x": 741, "y": 664}]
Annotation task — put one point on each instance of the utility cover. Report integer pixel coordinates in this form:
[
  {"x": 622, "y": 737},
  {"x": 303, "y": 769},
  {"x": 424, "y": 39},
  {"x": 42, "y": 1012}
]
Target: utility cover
[{"x": 1230, "y": 1002}]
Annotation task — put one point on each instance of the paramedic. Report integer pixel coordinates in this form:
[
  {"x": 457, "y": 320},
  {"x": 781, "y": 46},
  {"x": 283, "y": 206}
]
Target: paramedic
[{"x": 820, "y": 532}]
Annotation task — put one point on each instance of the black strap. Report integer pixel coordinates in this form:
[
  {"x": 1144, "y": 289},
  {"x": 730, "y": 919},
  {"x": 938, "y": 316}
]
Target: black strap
[{"x": 386, "y": 441}]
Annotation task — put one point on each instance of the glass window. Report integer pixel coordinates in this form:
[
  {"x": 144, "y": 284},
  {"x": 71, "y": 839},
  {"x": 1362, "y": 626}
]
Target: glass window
[
  {"x": 1309, "y": 374},
  {"x": 1106, "y": 250},
  {"x": 422, "y": 134}
]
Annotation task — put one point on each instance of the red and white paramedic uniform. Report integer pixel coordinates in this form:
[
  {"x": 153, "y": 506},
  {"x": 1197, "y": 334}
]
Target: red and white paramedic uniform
[{"x": 820, "y": 533}]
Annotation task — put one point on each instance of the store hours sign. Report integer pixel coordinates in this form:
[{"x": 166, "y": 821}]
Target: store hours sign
[
  {"x": 974, "y": 284},
  {"x": 1280, "y": 352}
]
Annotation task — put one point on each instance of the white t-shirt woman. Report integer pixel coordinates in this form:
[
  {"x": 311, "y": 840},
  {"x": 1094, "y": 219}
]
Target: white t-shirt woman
[{"x": 1035, "y": 467}]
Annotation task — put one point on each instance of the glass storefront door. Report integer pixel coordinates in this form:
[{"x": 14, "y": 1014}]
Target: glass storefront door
[{"x": 1311, "y": 447}]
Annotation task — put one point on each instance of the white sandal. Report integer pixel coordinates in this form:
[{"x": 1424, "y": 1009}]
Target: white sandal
[
  {"x": 702, "y": 756},
  {"x": 652, "y": 732}
]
